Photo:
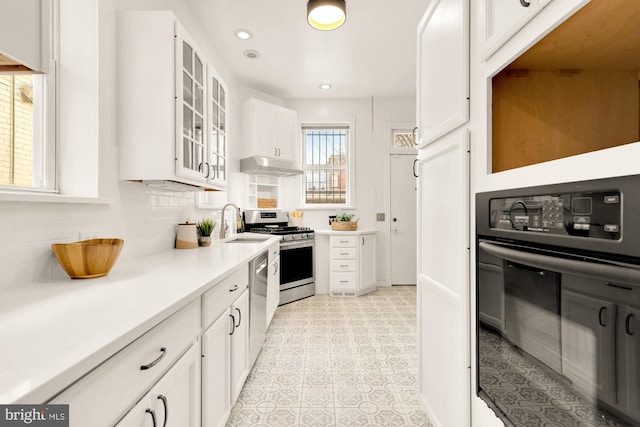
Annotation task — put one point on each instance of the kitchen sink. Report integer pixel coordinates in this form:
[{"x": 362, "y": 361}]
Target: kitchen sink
[{"x": 246, "y": 240}]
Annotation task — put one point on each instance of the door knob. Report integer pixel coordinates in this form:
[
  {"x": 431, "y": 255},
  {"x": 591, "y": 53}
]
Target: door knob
[{"x": 394, "y": 219}]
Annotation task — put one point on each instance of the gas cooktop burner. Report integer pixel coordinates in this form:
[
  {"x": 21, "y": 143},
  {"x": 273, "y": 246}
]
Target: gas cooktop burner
[
  {"x": 275, "y": 223},
  {"x": 281, "y": 230}
]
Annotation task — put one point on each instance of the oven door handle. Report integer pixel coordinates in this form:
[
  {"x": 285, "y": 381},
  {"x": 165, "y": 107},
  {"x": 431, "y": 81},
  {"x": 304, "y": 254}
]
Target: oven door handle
[
  {"x": 603, "y": 271},
  {"x": 295, "y": 244}
]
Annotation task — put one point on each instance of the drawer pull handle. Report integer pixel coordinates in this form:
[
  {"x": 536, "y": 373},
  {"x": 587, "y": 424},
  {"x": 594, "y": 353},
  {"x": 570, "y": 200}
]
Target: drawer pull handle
[
  {"x": 602, "y": 309},
  {"x": 344, "y": 241},
  {"x": 233, "y": 324},
  {"x": 344, "y": 281},
  {"x": 613, "y": 285},
  {"x": 166, "y": 409},
  {"x": 153, "y": 416},
  {"x": 524, "y": 3},
  {"x": 235, "y": 288},
  {"x": 627, "y": 323},
  {"x": 163, "y": 352},
  {"x": 344, "y": 253},
  {"x": 343, "y": 266},
  {"x": 239, "y": 317}
]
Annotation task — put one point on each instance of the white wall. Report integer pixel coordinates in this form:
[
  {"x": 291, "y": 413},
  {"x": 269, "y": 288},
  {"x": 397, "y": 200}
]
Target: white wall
[
  {"x": 145, "y": 219},
  {"x": 372, "y": 141}
]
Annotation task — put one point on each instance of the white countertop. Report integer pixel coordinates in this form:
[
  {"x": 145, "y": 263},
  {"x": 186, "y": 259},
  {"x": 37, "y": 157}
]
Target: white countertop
[
  {"x": 53, "y": 333},
  {"x": 344, "y": 233}
]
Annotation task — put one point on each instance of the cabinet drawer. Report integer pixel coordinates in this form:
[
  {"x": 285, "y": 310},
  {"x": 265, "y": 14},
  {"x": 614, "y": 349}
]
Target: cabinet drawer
[
  {"x": 104, "y": 395},
  {"x": 343, "y": 242},
  {"x": 344, "y": 281},
  {"x": 217, "y": 299},
  {"x": 343, "y": 253},
  {"x": 344, "y": 265}
]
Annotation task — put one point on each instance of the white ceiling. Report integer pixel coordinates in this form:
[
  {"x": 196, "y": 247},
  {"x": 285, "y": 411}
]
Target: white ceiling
[{"x": 372, "y": 54}]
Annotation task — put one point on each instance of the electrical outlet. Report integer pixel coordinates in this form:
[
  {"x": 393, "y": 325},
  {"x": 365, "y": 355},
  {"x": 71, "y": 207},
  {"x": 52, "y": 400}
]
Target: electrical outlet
[{"x": 380, "y": 216}]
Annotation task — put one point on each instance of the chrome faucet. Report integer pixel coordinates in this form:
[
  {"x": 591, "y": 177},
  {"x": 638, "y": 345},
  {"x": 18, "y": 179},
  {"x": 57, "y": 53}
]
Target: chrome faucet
[{"x": 222, "y": 225}]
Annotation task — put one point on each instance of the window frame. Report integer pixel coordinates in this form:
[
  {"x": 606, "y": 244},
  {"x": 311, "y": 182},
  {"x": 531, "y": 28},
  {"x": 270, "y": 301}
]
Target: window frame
[{"x": 338, "y": 123}]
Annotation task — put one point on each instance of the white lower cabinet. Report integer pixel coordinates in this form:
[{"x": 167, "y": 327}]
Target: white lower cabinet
[
  {"x": 273, "y": 282},
  {"x": 216, "y": 372},
  {"x": 120, "y": 381},
  {"x": 175, "y": 400},
  {"x": 352, "y": 263},
  {"x": 225, "y": 346},
  {"x": 239, "y": 344}
]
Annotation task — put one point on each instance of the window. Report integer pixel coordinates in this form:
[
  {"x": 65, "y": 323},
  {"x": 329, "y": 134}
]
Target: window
[
  {"x": 326, "y": 165},
  {"x": 22, "y": 143}
]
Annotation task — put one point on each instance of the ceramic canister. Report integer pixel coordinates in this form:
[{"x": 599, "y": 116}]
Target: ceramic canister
[{"x": 187, "y": 236}]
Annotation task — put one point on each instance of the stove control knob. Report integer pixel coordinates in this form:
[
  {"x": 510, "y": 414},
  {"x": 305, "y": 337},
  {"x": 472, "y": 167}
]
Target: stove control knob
[
  {"x": 295, "y": 237},
  {"x": 286, "y": 237}
]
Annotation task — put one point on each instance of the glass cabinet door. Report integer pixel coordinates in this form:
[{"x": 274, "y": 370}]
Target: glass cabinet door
[
  {"x": 218, "y": 132},
  {"x": 190, "y": 106}
]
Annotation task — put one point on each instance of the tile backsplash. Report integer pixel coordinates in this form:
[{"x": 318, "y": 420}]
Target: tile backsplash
[{"x": 146, "y": 220}]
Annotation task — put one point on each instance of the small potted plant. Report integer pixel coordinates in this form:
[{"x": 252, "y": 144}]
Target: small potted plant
[
  {"x": 343, "y": 222},
  {"x": 205, "y": 228}
]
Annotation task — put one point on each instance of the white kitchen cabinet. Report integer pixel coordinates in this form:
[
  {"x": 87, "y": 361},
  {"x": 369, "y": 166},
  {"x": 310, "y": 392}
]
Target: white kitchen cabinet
[
  {"x": 443, "y": 69},
  {"x": 270, "y": 130},
  {"x": 171, "y": 106},
  {"x": 352, "y": 263},
  {"x": 273, "y": 282},
  {"x": 240, "y": 366},
  {"x": 504, "y": 18},
  {"x": 216, "y": 372},
  {"x": 175, "y": 400},
  {"x": 225, "y": 345},
  {"x": 443, "y": 279},
  {"x": 122, "y": 379}
]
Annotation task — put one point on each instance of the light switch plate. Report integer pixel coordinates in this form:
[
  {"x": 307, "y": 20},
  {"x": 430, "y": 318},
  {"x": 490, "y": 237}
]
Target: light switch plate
[{"x": 380, "y": 216}]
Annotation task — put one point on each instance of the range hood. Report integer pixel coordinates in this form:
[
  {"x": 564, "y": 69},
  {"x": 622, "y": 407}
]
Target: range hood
[{"x": 261, "y": 165}]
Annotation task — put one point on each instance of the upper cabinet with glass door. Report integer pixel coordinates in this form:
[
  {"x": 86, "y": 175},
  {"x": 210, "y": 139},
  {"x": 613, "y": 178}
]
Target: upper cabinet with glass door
[
  {"x": 217, "y": 157},
  {"x": 171, "y": 112}
]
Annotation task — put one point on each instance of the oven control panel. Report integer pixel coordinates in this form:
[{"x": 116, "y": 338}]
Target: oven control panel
[{"x": 594, "y": 215}]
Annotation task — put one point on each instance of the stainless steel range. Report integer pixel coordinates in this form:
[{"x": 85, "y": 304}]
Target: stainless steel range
[{"x": 297, "y": 275}]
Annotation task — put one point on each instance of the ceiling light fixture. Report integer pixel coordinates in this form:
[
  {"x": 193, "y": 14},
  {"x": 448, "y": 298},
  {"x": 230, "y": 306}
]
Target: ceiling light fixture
[
  {"x": 324, "y": 86},
  {"x": 325, "y": 15},
  {"x": 243, "y": 34}
]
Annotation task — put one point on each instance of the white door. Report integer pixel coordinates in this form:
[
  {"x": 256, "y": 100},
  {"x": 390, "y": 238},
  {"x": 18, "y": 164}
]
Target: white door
[
  {"x": 216, "y": 372},
  {"x": 403, "y": 219}
]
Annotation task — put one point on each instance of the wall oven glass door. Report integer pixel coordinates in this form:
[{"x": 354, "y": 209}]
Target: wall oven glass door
[{"x": 558, "y": 337}]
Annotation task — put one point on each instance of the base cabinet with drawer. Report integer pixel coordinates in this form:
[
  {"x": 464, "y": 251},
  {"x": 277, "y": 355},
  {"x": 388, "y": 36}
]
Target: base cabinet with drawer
[
  {"x": 174, "y": 401},
  {"x": 352, "y": 263},
  {"x": 103, "y": 396},
  {"x": 225, "y": 346}
]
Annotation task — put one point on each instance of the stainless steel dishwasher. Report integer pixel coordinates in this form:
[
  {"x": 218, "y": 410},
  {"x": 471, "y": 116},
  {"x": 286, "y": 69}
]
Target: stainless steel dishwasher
[{"x": 258, "y": 305}]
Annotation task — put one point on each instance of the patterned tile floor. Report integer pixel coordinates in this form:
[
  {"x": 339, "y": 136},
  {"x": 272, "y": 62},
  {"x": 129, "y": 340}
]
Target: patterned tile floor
[
  {"x": 337, "y": 362},
  {"x": 529, "y": 395}
]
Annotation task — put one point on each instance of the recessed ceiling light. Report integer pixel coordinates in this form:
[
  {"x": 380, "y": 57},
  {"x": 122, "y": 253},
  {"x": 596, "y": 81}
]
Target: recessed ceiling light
[
  {"x": 243, "y": 34},
  {"x": 324, "y": 86},
  {"x": 252, "y": 54},
  {"x": 326, "y": 15}
]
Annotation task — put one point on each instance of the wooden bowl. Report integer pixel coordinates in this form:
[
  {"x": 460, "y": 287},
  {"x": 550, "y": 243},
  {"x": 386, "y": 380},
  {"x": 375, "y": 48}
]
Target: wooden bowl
[{"x": 89, "y": 258}]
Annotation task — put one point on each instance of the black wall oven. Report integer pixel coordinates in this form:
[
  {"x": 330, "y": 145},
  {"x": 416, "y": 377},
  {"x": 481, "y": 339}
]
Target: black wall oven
[{"x": 558, "y": 307}]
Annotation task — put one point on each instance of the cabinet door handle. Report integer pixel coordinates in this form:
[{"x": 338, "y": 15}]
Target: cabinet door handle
[
  {"x": 415, "y": 174},
  {"x": 166, "y": 409},
  {"x": 239, "y": 317},
  {"x": 235, "y": 288},
  {"x": 208, "y": 169},
  {"x": 275, "y": 151},
  {"x": 233, "y": 324},
  {"x": 414, "y": 133},
  {"x": 362, "y": 241},
  {"x": 627, "y": 324},
  {"x": 163, "y": 353},
  {"x": 276, "y": 269},
  {"x": 153, "y": 416},
  {"x": 602, "y": 310},
  {"x": 525, "y": 3}
]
